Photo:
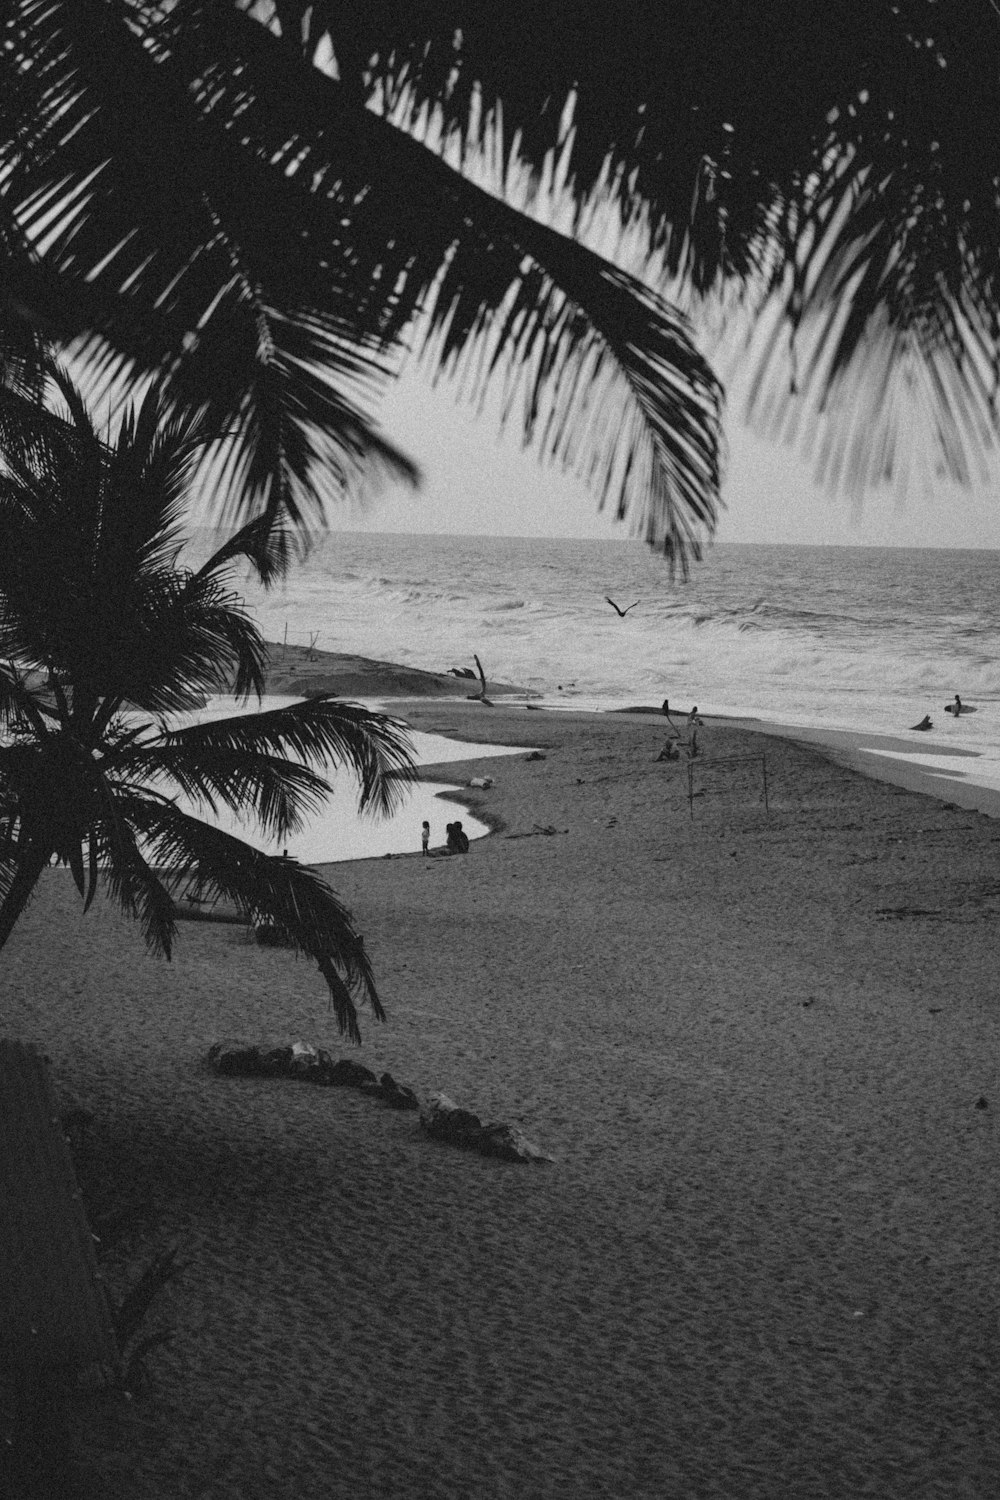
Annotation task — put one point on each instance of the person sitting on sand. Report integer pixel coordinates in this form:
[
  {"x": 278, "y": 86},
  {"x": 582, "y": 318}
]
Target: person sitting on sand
[
  {"x": 458, "y": 839},
  {"x": 425, "y": 836},
  {"x": 669, "y": 751}
]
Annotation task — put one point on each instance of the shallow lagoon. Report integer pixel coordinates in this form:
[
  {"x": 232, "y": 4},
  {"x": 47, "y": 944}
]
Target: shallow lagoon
[{"x": 339, "y": 832}]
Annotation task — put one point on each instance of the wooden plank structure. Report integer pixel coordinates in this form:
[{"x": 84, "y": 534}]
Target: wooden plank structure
[{"x": 54, "y": 1312}]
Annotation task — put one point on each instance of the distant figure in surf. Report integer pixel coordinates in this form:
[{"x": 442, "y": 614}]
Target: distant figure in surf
[{"x": 954, "y": 708}]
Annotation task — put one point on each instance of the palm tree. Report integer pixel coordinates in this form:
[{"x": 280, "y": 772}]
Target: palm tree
[
  {"x": 104, "y": 636},
  {"x": 264, "y": 201}
]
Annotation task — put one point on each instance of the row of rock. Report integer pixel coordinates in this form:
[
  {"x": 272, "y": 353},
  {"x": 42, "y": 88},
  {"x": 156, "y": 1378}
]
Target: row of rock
[
  {"x": 440, "y": 1117},
  {"x": 310, "y": 1065}
]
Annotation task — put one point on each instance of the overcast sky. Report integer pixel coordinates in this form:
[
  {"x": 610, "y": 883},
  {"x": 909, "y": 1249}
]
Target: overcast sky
[{"x": 475, "y": 481}]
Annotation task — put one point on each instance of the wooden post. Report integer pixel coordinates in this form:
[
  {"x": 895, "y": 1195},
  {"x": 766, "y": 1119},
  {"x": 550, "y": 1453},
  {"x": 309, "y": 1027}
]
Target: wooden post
[
  {"x": 284, "y": 644},
  {"x": 763, "y": 765},
  {"x": 481, "y": 695},
  {"x": 691, "y": 788},
  {"x": 53, "y": 1307}
]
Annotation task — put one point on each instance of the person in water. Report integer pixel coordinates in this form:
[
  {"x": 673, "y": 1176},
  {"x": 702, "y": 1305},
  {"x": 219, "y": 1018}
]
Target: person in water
[{"x": 954, "y": 708}]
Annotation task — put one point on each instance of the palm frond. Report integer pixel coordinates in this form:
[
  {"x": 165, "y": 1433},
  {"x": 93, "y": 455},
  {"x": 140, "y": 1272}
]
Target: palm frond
[
  {"x": 607, "y": 373},
  {"x": 734, "y": 134},
  {"x": 130, "y": 879},
  {"x": 266, "y": 541},
  {"x": 274, "y": 238},
  {"x": 197, "y": 270},
  {"x": 276, "y": 794},
  {"x": 293, "y": 234},
  {"x": 374, "y": 746},
  {"x": 20, "y": 706},
  {"x": 89, "y": 536},
  {"x": 271, "y": 889},
  {"x": 209, "y": 644}
]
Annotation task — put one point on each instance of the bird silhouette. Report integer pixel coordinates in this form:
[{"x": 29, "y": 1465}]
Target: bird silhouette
[{"x": 622, "y": 612}]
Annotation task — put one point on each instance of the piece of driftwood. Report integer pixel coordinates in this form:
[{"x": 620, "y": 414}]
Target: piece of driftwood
[{"x": 480, "y": 697}]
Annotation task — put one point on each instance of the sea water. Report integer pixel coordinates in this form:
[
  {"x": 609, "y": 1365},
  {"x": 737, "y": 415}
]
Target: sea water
[{"x": 866, "y": 639}]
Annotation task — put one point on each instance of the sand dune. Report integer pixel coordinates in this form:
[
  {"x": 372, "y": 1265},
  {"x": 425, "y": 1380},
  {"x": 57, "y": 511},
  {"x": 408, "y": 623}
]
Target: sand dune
[{"x": 764, "y": 1260}]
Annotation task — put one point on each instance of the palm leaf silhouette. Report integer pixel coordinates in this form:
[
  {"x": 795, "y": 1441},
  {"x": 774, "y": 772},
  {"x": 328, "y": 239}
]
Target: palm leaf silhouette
[{"x": 274, "y": 244}]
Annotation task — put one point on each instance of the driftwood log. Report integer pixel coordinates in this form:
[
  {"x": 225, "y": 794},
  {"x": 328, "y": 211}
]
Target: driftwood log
[{"x": 480, "y": 697}]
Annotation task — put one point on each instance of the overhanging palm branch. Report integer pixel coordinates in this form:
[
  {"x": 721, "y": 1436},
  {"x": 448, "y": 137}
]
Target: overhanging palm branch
[
  {"x": 813, "y": 157},
  {"x": 825, "y": 159},
  {"x": 288, "y": 230},
  {"x": 223, "y": 758},
  {"x": 282, "y": 793}
]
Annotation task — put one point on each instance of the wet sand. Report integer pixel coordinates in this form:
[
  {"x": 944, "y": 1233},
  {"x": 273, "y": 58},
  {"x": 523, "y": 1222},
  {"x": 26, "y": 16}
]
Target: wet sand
[{"x": 763, "y": 1262}]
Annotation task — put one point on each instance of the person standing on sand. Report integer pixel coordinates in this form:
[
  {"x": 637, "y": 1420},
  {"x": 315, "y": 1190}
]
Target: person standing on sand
[{"x": 425, "y": 837}]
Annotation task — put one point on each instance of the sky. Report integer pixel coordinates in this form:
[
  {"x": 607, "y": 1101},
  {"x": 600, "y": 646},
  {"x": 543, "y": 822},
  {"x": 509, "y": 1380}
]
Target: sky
[{"x": 477, "y": 480}]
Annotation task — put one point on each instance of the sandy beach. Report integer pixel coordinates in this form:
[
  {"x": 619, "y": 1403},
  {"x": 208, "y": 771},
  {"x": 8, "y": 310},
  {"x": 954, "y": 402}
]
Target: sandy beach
[{"x": 760, "y": 1045}]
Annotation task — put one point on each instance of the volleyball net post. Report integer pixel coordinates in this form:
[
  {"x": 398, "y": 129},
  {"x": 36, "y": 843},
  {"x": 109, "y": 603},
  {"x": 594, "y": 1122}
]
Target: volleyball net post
[{"x": 729, "y": 760}]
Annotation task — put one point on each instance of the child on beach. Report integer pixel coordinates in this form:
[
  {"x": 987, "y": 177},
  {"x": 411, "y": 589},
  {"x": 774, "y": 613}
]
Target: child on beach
[{"x": 425, "y": 836}]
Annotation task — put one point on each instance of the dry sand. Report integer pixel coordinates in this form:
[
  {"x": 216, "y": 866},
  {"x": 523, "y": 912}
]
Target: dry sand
[{"x": 764, "y": 1260}]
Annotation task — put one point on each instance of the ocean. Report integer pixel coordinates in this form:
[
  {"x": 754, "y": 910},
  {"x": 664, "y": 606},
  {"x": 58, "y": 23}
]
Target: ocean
[{"x": 866, "y": 639}]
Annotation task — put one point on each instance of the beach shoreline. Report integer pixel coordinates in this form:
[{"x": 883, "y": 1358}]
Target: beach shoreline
[
  {"x": 759, "y": 1041},
  {"x": 297, "y": 669}
]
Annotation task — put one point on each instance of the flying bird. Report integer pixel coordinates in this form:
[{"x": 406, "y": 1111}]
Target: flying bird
[{"x": 622, "y": 612}]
